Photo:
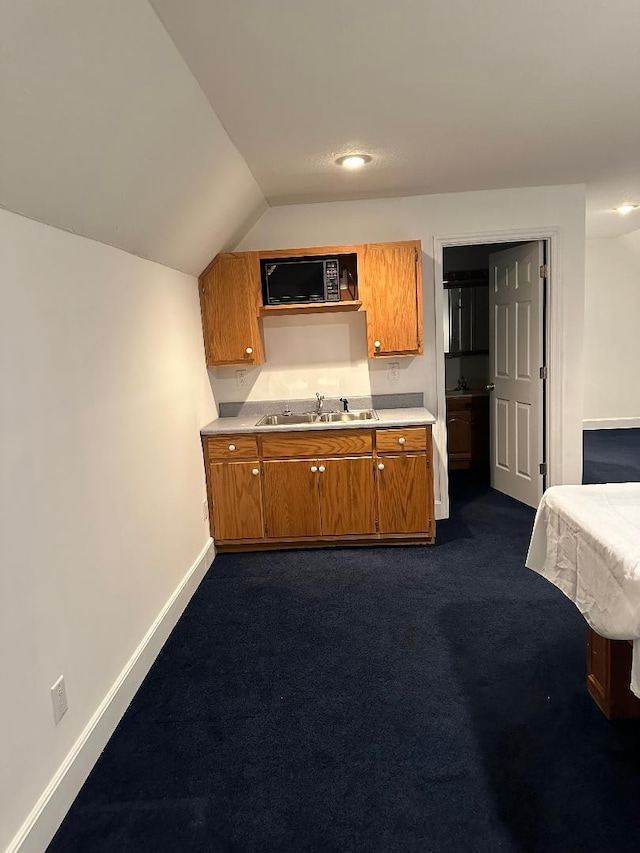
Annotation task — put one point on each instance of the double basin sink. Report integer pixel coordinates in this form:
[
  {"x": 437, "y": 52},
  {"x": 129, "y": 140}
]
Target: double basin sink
[{"x": 313, "y": 418}]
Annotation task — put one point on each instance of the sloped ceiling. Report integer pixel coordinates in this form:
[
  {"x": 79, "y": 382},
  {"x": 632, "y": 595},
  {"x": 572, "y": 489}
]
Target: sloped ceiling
[
  {"x": 447, "y": 95},
  {"x": 106, "y": 133}
]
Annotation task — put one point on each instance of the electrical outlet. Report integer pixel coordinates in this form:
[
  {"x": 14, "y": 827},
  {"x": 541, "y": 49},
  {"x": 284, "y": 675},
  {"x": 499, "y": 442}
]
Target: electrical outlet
[
  {"x": 59, "y": 700},
  {"x": 205, "y": 509},
  {"x": 394, "y": 371},
  {"x": 241, "y": 378}
]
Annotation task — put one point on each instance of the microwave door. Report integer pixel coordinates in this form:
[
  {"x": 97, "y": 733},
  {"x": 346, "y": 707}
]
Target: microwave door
[{"x": 299, "y": 281}]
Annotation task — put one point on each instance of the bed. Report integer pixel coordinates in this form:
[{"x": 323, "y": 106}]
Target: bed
[{"x": 586, "y": 541}]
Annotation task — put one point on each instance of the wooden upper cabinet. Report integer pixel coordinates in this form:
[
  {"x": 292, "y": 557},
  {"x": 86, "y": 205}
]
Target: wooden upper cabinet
[
  {"x": 230, "y": 296},
  {"x": 391, "y": 291}
]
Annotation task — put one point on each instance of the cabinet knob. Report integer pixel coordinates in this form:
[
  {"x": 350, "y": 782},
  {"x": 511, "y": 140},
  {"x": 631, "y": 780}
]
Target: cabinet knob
[
  {"x": 377, "y": 344},
  {"x": 232, "y": 447},
  {"x": 380, "y": 466},
  {"x": 249, "y": 350},
  {"x": 255, "y": 472},
  {"x": 314, "y": 468},
  {"x": 321, "y": 469},
  {"x": 401, "y": 440}
]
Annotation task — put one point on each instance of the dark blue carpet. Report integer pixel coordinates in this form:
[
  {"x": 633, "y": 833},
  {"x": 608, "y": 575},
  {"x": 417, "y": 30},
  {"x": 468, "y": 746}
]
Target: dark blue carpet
[
  {"x": 611, "y": 456},
  {"x": 391, "y": 699}
]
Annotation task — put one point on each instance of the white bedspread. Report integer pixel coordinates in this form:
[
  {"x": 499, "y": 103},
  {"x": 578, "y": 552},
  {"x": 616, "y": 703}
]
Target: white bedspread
[{"x": 586, "y": 541}]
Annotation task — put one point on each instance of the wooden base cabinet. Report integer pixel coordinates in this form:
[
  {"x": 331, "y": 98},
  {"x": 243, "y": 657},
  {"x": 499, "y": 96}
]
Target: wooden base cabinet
[
  {"x": 236, "y": 500},
  {"x": 319, "y": 487},
  {"x": 292, "y": 502},
  {"x": 403, "y": 494},
  {"x": 468, "y": 431},
  {"x": 404, "y": 478},
  {"x": 319, "y": 497},
  {"x": 347, "y": 496}
]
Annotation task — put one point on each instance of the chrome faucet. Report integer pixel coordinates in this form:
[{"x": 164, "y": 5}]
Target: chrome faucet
[
  {"x": 287, "y": 409},
  {"x": 319, "y": 402}
]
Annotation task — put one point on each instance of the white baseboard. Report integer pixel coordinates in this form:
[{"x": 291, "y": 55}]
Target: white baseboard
[
  {"x": 611, "y": 423},
  {"x": 46, "y": 816}
]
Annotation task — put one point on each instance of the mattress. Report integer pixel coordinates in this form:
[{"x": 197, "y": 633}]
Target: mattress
[{"x": 586, "y": 541}]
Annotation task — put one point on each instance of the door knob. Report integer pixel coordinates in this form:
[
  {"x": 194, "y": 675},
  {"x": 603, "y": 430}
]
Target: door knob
[
  {"x": 377, "y": 344},
  {"x": 255, "y": 472},
  {"x": 490, "y": 386},
  {"x": 249, "y": 350},
  {"x": 380, "y": 466},
  {"x": 314, "y": 468},
  {"x": 401, "y": 441},
  {"x": 321, "y": 469},
  {"x": 232, "y": 447}
]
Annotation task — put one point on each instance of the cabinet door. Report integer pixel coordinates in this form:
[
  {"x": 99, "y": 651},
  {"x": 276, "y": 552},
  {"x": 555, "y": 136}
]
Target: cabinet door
[
  {"x": 292, "y": 497},
  {"x": 236, "y": 496},
  {"x": 405, "y": 493},
  {"x": 459, "y": 436},
  {"x": 347, "y": 496},
  {"x": 229, "y": 297},
  {"x": 392, "y": 297}
]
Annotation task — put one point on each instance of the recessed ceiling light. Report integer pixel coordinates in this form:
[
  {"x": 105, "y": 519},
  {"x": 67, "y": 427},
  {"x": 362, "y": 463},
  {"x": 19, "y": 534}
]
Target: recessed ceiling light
[
  {"x": 354, "y": 161},
  {"x": 625, "y": 208}
]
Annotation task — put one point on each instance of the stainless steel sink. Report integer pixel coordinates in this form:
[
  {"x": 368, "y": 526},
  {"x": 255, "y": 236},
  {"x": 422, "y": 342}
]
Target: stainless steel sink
[
  {"x": 287, "y": 420},
  {"x": 363, "y": 415},
  {"x": 313, "y": 418}
]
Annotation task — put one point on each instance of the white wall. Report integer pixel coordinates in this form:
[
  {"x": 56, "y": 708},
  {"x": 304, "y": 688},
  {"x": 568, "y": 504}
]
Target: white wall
[
  {"x": 612, "y": 343},
  {"x": 307, "y": 354},
  {"x": 103, "y": 394}
]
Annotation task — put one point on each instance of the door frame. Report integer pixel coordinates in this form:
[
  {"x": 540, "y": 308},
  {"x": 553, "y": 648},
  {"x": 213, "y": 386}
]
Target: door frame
[{"x": 553, "y": 320}]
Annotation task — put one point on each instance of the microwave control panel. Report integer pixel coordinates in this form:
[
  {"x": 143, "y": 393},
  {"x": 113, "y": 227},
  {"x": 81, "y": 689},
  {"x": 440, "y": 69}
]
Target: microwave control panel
[{"x": 332, "y": 281}]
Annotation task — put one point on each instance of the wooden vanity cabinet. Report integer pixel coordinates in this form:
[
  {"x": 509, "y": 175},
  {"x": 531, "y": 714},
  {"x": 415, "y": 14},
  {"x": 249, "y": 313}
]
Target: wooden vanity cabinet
[
  {"x": 230, "y": 296},
  {"x": 391, "y": 292},
  {"x": 468, "y": 431}
]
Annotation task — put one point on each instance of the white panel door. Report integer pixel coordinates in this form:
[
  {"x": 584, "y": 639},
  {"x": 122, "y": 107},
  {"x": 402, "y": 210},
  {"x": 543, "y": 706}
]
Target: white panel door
[{"x": 515, "y": 329}]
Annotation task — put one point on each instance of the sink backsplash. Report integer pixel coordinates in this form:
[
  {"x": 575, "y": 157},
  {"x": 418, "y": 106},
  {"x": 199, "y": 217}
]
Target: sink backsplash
[{"x": 257, "y": 408}]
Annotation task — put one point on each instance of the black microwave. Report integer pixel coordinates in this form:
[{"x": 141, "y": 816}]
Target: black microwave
[{"x": 290, "y": 280}]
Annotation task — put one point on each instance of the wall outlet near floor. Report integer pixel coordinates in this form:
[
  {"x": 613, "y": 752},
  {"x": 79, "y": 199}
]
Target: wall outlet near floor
[
  {"x": 59, "y": 700},
  {"x": 241, "y": 378},
  {"x": 205, "y": 509},
  {"x": 394, "y": 371}
]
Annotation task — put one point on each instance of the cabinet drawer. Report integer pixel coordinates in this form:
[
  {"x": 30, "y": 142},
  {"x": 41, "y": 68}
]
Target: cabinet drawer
[
  {"x": 459, "y": 404},
  {"x": 316, "y": 444},
  {"x": 395, "y": 440},
  {"x": 232, "y": 447}
]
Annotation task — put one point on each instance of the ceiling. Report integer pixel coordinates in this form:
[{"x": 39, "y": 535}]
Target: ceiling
[{"x": 447, "y": 95}]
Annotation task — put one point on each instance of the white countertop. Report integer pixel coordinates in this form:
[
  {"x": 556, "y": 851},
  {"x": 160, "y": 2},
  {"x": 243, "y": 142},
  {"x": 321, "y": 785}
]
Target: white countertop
[{"x": 386, "y": 418}]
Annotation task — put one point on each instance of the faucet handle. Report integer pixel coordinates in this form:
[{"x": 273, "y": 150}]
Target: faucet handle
[
  {"x": 287, "y": 408},
  {"x": 345, "y": 404}
]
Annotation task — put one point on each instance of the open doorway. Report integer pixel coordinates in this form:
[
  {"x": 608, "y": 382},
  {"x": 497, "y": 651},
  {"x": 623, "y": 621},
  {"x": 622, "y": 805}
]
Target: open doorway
[{"x": 494, "y": 345}]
